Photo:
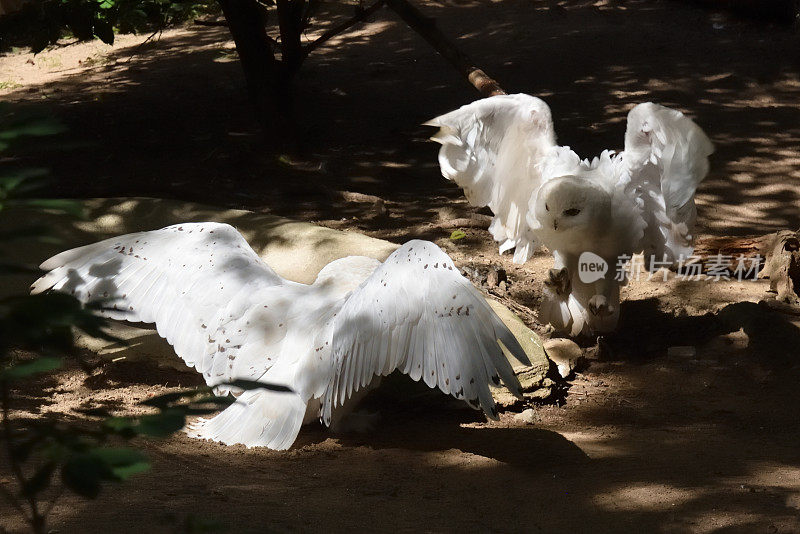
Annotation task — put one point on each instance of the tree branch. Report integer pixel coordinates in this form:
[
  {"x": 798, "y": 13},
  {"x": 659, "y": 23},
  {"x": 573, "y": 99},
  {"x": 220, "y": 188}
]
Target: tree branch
[
  {"x": 426, "y": 27},
  {"x": 361, "y": 15}
]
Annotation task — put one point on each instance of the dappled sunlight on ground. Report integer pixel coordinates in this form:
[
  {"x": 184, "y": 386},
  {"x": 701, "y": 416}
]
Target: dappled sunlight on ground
[{"x": 643, "y": 439}]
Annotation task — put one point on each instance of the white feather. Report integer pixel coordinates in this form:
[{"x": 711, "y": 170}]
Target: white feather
[
  {"x": 231, "y": 317},
  {"x": 501, "y": 150}
]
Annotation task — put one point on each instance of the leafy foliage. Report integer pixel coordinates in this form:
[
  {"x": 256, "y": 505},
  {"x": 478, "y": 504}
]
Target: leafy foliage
[
  {"x": 85, "y": 455},
  {"x": 41, "y": 23}
]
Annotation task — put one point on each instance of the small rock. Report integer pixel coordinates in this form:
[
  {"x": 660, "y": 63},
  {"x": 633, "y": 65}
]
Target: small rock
[
  {"x": 496, "y": 276},
  {"x": 565, "y": 353},
  {"x": 502, "y": 286},
  {"x": 528, "y": 417},
  {"x": 681, "y": 351}
]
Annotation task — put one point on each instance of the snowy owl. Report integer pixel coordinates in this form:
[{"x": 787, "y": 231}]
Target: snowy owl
[
  {"x": 230, "y": 316},
  {"x": 502, "y": 151}
]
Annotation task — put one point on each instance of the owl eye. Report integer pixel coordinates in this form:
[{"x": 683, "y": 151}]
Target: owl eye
[
  {"x": 547, "y": 207},
  {"x": 572, "y": 212}
]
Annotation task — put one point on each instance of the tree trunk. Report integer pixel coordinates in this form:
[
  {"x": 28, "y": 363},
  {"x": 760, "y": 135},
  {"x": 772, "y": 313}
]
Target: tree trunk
[
  {"x": 290, "y": 20},
  {"x": 268, "y": 79}
]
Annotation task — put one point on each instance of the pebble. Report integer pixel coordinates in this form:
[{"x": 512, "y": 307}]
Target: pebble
[{"x": 528, "y": 417}]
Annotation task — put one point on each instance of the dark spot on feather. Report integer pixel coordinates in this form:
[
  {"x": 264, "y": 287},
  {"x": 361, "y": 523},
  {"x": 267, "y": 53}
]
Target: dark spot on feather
[
  {"x": 471, "y": 380},
  {"x": 426, "y": 266}
]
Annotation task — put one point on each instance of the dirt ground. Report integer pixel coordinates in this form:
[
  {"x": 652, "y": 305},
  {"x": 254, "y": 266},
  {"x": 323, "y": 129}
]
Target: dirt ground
[{"x": 644, "y": 439}]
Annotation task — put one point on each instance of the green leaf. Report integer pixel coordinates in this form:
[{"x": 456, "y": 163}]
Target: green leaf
[
  {"x": 29, "y": 232},
  {"x": 126, "y": 471},
  {"x": 118, "y": 456},
  {"x": 35, "y": 127},
  {"x": 161, "y": 424},
  {"x": 252, "y": 384},
  {"x": 22, "y": 370},
  {"x": 457, "y": 234},
  {"x": 60, "y": 205},
  {"x": 82, "y": 474},
  {"x": 121, "y": 426},
  {"x": 165, "y": 399},
  {"x": 104, "y": 31}
]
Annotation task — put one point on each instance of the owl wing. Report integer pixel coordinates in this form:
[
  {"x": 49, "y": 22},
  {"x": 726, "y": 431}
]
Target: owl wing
[
  {"x": 666, "y": 158},
  {"x": 493, "y": 149},
  {"x": 417, "y": 314},
  {"x": 225, "y": 311}
]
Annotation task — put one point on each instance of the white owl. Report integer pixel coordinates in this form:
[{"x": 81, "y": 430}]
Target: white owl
[
  {"x": 502, "y": 151},
  {"x": 230, "y": 316}
]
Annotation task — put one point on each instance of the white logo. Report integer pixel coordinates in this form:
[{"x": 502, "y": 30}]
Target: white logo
[{"x": 591, "y": 267}]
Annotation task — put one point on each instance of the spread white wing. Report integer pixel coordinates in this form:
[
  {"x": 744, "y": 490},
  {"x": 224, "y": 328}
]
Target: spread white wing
[
  {"x": 417, "y": 314},
  {"x": 209, "y": 294},
  {"x": 493, "y": 149},
  {"x": 666, "y": 155}
]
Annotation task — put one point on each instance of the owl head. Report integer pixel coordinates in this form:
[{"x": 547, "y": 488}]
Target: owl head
[{"x": 570, "y": 209}]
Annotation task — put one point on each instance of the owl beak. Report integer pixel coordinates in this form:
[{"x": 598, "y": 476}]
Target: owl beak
[{"x": 555, "y": 224}]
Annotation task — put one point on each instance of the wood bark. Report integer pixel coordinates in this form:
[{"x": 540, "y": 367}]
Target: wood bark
[
  {"x": 254, "y": 47},
  {"x": 426, "y": 27}
]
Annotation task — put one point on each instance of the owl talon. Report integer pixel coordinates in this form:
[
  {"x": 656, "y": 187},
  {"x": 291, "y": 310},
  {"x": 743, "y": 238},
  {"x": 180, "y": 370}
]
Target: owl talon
[
  {"x": 558, "y": 281},
  {"x": 598, "y": 305}
]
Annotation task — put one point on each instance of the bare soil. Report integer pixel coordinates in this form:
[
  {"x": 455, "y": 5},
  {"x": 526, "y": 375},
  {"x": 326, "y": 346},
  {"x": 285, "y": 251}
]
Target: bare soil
[{"x": 643, "y": 439}]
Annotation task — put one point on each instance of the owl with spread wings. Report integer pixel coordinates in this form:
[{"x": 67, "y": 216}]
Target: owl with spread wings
[{"x": 502, "y": 152}]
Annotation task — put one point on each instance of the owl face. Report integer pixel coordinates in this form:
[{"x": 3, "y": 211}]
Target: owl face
[{"x": 571, "y": 209}]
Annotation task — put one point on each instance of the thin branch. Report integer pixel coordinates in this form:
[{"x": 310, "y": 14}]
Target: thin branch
[
  {"x": 361, "y": 15},
  {"x": 138, "y": 48},
  {"x": 426, "y": 27}
]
